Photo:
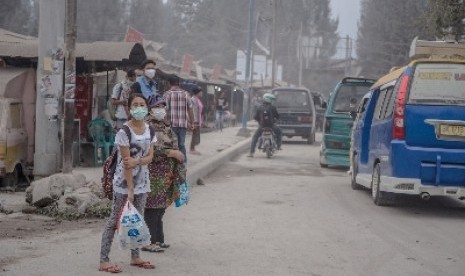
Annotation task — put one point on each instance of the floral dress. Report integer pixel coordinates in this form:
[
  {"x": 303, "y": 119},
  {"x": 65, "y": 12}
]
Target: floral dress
[{"x": 164, "y": 172}]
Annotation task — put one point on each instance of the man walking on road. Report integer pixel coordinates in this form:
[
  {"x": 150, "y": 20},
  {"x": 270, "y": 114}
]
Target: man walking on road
[{"x": 179, "y": 108}]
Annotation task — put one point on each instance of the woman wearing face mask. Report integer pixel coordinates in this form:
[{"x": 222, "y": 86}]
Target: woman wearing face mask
[
  {"x": 166, "y": 169},
  {"x": 131, "y": 180},
  {"x": 146, "y": 84}
]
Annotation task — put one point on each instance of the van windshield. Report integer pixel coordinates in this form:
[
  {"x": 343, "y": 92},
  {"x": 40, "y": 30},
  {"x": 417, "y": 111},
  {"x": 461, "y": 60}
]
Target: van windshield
[
  {"x": 348, "y": 97},
  {"x": 438, "y": 84},
  {"x": 292, "y": 99}
]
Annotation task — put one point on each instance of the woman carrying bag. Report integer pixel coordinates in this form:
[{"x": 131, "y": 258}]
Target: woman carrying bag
[
  {"x": 131, "y": 179},
  {"x": 166, "y": 169}
]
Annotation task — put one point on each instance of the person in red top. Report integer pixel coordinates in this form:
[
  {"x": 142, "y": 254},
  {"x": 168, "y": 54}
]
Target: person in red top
[{"x": 179, "y": 108}]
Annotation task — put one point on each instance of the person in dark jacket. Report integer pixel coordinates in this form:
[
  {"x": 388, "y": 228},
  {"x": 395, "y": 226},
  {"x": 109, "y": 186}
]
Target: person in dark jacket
[{"x": 266, "y": 115}]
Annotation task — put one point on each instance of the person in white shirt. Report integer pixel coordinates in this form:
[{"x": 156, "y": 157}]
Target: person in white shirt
[{"x": 120, "y": 97}]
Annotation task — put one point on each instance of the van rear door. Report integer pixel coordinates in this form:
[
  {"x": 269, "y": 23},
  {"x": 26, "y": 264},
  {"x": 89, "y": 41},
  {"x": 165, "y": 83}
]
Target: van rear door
[{"x": 436, "y": 106}]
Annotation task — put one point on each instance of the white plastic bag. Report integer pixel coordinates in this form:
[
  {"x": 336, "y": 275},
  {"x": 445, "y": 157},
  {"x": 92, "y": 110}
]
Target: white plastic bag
[{"x": 133, "y": 232}]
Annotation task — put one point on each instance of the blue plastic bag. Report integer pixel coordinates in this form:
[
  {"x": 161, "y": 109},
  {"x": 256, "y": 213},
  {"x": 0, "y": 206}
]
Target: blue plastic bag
[
  {"x": 183, "y": 194},
  {"x": 133, "y": 232}
]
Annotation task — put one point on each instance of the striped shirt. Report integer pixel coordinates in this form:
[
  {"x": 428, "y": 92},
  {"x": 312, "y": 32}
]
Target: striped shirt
[{"x": 178, "y": 103}]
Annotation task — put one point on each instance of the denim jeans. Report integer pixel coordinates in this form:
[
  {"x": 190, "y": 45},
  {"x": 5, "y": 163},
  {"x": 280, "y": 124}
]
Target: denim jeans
[
  {"x": 219, "y": 119},
  {"x": 181, "y": 133}
]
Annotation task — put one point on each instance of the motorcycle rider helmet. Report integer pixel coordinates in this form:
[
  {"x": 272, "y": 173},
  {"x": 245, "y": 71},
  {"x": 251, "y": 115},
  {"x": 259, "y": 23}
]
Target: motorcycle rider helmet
[{"x": 268, "y": 98}]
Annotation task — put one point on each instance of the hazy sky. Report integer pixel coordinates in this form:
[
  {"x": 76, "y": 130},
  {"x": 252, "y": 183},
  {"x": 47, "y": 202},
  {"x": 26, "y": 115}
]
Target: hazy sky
[{"x": 348, "y": 12}]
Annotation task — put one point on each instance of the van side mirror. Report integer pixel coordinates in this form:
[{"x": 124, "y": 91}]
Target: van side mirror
[
  {"x": 353, "y": 114},
  {"x": 324, "y": 105}
]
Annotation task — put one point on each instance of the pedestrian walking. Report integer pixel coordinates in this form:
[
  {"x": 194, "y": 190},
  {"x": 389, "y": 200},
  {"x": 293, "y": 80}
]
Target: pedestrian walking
[
  {"x": 221, "y": 104},
  {"x": 180, "y": 113},
  {"x": 146, "y": 84},
  {"x": 197, "y": 108},
  {"x": 131, "y": 179},
  {"x": 120, "y": 97},
  {"x": 166, "y": 169}
]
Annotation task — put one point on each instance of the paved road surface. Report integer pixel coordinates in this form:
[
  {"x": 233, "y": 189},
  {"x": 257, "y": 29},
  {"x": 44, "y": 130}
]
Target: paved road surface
[{"x": 279, "y": 216}]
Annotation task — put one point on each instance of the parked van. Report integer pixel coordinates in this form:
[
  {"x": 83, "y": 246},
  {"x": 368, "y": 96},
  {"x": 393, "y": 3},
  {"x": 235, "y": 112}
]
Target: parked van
[
  {"x": 296, "y": 113},
  {"x": 17, "y": 112},
  {"x": 338, "y": 122},
  {"x": 409, "y": 135}
]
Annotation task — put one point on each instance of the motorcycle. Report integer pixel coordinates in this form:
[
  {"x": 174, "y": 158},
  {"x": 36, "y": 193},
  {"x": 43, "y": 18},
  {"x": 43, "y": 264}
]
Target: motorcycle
[{"x": 268, "y": 142}]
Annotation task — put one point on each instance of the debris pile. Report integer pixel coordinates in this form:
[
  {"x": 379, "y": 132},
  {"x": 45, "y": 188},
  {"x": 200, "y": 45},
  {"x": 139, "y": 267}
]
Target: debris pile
[{"x": 67, "y": 196}]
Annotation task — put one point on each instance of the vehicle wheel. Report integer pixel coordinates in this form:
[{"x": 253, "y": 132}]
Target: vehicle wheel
[
  {"x": 11, "y": 180},
  {"x": 379, "y": 198},
  {"x": 268, "y": 151},
  {"x": 353, "y": 174}
]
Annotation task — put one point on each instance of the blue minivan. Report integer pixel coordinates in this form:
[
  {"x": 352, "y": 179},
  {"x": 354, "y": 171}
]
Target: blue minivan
[
  {"x": 409, "y": 132},
  {"x": 337, "y": 128}
]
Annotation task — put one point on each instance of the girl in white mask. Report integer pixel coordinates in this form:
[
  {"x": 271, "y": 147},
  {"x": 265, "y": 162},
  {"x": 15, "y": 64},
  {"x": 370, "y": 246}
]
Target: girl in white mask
[
  {"x": 131, "y": 183},
  {"x": 165, "y": 171}
]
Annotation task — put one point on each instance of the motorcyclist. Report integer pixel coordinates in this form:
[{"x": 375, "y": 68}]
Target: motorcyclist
[{"x": 266, "y": 115}]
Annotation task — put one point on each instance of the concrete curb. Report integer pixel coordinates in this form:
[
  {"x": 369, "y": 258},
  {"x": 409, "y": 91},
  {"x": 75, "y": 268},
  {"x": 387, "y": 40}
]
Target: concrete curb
[{"x": 209, "y": 165}]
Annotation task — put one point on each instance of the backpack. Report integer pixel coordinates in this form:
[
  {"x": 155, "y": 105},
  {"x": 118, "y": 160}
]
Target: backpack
[
  {"x": 109, "y": 166},
  {"x": 112, "y": 108},
  {"x": 266, "y": 117}
]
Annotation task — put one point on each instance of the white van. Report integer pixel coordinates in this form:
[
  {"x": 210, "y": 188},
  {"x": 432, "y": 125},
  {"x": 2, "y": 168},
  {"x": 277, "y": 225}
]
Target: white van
[{"x": 17, "y": 112}]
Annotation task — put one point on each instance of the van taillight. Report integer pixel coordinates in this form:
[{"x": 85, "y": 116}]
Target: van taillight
[
  {"x": 399, "y": 110},
  {"x": 304, "y": 119}
]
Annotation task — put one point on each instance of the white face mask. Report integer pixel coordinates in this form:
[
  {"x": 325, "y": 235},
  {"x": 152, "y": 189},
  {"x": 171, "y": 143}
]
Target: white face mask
[
  {"x": 150, "y": 73},
  {"x": 159, "y": 113}
]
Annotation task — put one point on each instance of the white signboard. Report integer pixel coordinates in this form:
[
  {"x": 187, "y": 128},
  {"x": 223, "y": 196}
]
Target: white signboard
[
  {"x": 259, "y": 67},
  {"x": 240, "y": 65}
]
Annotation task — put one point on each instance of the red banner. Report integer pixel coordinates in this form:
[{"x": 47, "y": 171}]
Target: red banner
[
  {"x": 216, "y": 72},
  {"x": 187, "y": 64},
  {"x": 133, "y": 35}
]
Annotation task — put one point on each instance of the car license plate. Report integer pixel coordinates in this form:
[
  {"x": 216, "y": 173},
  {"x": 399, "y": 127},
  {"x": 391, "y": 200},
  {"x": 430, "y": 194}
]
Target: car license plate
[
  {"x": 452, "y": 130},
  {"x": 288, "y": 131}
]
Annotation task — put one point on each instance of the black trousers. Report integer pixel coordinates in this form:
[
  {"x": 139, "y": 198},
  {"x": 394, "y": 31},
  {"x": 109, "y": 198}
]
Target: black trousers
[{"x": 154, "y": 220}]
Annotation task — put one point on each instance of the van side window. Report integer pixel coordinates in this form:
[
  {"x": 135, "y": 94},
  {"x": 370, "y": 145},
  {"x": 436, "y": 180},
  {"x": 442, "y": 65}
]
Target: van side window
[
  {"x": 389, "y": 106},
  {"x": 379, "y": 104},
  {"x": 15, "y": 115},
  {"x": 362, "y": 106}
]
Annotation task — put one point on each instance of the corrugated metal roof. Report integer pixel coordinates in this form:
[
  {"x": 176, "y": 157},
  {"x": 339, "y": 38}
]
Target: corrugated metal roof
[
  {"x": 18, "y": 49},
  {"x": 7, "y": 36},
  {"x": 17, "y": 45}
]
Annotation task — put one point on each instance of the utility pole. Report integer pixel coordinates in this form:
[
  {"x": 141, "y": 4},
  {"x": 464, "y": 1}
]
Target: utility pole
[
  {"x": 300, "y": 54},
  {"x": 348, "y": 63},
  {"x": 273, "y": 44},
  {"x": 70, "y": 85},
  {"x": 245, "y": 103},
  {"x": 47, "y": 152}
]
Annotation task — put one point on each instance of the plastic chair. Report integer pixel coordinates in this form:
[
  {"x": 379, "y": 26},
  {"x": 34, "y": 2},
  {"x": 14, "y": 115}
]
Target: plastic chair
[{"x": 103, "y": 136}]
